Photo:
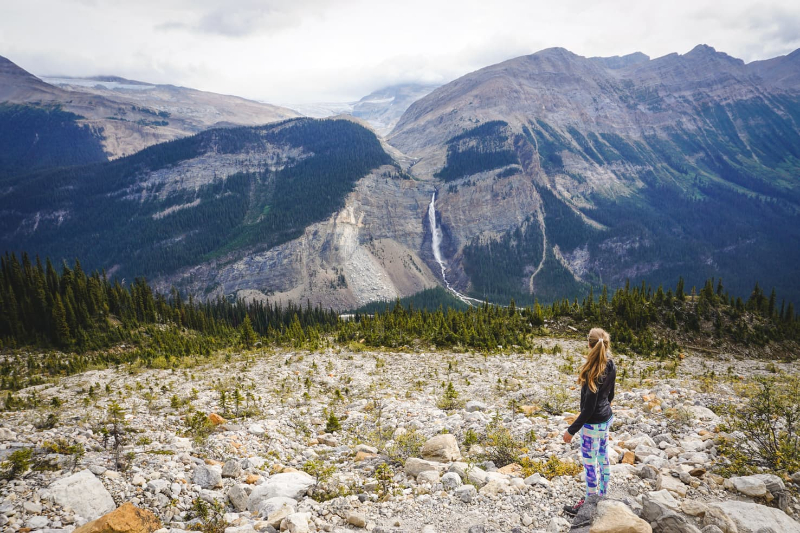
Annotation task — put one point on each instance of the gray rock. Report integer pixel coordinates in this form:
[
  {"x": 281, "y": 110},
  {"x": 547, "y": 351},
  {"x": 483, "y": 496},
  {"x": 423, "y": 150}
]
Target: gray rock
[
  {"x": 82, "y": 492},
  {"x": 232, "y": 468},
  {"x": 773, "y": 483},
  {"x": 659, "y": 508},
  {"x": 752, "y": 517},
  {"x": 466, "y": 493},
  {"x": 292, "y": 485},
  {"x": 429, "y": 476},
  {"x": 451, "y": 481},
  {"x": 238, "y": 497},
  {"x": 7, "y": 434},
  {"x": 472, "y": 474},
  {"x": 796, "y": 478},
  {"x": 711, "y": 529},
  {"x": 32, "y": 507},
  {"x": 207, "y": 477}
]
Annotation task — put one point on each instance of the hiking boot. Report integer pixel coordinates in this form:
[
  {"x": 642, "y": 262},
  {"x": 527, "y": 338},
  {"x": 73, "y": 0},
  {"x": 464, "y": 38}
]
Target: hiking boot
[{"x": 572, "y": 510}]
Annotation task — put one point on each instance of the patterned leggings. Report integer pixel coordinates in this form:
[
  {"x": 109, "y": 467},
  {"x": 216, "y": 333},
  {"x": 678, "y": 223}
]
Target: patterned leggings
[{"x": 594, "y": 450}]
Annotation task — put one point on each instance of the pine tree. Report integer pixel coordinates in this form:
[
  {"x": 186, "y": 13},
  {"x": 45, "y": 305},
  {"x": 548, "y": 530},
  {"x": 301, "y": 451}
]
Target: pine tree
[
  {"x": 246, "y": 333},
  {"x": 61, "y": 332}
]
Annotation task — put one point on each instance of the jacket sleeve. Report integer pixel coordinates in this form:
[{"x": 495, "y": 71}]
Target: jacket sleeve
[
  {"x": 588, "y": 410},
  {"x": 611, "y": 392}
]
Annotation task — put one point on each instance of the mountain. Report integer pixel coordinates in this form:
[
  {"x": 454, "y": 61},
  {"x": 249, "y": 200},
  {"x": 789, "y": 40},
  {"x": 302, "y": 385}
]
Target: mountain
[
  {"x": 380, "y": 109},
  {"x": 538, "y": 178},
  {"x": 640, "y": 169},
  {"x": 128, "y": 116}
]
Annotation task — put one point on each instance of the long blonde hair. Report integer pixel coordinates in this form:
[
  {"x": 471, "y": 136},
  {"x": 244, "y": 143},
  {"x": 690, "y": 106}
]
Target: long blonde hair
[{"x": 595, "y": 366}]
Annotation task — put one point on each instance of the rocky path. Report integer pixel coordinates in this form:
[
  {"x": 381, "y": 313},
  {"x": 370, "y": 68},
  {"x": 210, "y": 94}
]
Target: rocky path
[{"x": 408, "y": 455}]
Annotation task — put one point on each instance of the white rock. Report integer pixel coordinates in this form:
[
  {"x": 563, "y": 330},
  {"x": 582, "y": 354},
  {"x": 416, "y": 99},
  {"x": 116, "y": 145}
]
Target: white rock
[
  {"x": 83, "y": 493},
  {"x": 750, "y": 517},
  {"x": 674, "y": 485},
  {"x": 474, "y": 405},
  {"x": 238, "y": 497},
  {"x": 292, "y": 485},
  {"x": 747, "y": 485},
  {"x": 428, "y": 476},
  {"x": 256, "y": 429},
  {"x": 7, "y": 434},
  {"x": 415, "y": 466},
  {"x": 297, "y": 523}
]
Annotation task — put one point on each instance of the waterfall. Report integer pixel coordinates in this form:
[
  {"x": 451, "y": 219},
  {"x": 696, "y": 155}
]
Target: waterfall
[{"x": 436, "y": 242}]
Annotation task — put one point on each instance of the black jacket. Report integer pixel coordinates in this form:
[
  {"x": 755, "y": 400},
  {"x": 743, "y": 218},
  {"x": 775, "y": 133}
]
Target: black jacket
[{"x": 596, "y": 406}]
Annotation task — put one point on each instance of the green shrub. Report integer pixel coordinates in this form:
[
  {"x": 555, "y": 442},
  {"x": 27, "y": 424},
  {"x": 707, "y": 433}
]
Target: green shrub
[
  {"x": 549, "y": 469},
  {"x": 766, "y": 431},
  {"x": 406, "y": 445},
  {"x": 17, "y": 463}
]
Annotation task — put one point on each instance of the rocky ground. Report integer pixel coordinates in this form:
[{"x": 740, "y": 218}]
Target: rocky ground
[{"x": 179, "y": 445}]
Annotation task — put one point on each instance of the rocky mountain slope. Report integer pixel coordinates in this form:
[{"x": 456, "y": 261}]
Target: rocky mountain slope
[
  {"x": 133, "y": 115},
  {"x": 640, "y": 161},
  {"x": 260, "y": 452}
]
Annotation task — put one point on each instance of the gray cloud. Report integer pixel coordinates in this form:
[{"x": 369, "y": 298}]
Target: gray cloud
[{"x": 245, "y": 17}]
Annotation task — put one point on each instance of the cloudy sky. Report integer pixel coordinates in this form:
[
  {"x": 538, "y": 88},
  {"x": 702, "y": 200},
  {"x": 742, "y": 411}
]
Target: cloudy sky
[{"x": 301, "y": 51}]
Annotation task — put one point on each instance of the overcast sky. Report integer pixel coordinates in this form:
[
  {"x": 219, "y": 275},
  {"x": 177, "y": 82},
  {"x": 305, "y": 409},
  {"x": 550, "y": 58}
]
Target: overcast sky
[{"x": 301, "y": 51}]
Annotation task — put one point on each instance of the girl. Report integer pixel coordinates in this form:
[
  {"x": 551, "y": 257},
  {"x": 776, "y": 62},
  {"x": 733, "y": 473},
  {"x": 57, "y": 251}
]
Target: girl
[{"x": 596, "y": 378}]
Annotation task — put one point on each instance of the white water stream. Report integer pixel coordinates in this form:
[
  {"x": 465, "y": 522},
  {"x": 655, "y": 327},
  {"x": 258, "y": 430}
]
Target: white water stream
[{"x": 436, "y": 241}]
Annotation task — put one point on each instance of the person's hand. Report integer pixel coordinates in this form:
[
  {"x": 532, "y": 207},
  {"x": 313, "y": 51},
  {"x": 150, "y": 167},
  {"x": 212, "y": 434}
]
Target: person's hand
[{"x": 567, "y": 437}]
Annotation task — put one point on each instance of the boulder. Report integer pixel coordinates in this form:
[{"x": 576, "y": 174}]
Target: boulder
[
  {"x": 441, "y": 448},
  {"x": 773, "y": 483},
  {"x": 292, "y": 485},
  {"x": 414, "y": 466},
  {"x": 747, "y": 485},
  {"x": 275, "y": 515},
  {"x": 796, "y": 478},
  {"x": 126, "y": 519},
  {"x": 616, "y": 517},
  {"x": 83, "y": 493},
  {"x": 752, "y": 517},
  {"x": 208, "y": 477},
  {"x": 7, "y": 434},
  {"x": 716, "y": 517},
  {"x": 659, "y": 509}
]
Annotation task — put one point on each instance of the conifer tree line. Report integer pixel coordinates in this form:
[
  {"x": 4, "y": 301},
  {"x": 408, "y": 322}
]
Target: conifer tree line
[{"x": 90, "y": 317}]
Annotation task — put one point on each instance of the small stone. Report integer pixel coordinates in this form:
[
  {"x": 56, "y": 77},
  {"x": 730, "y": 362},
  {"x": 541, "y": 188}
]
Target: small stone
[
  {"x": 207, "y": 477},
  {"x": 297, "y": 523},
  {"x": 257, "y": 430},
  {"x": 526, "y": 519},
  {"x": 238, "y": 496},
  {"x": 252, "y": 479},
  {"x": 32, "y": 507},
  {"x": 37, "y": 522},
  {"x": 363, "y": 456},
  {"x": 466, "y": 493},
  {"x": 356, "y": 519},
  {"x": 628, "y": 457},
  {"x": 451, "y": 481},
  {"x": 429, "y": 476},
  {"x": 231, "y": 468},
  {"x": 674, "y": 485}
]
